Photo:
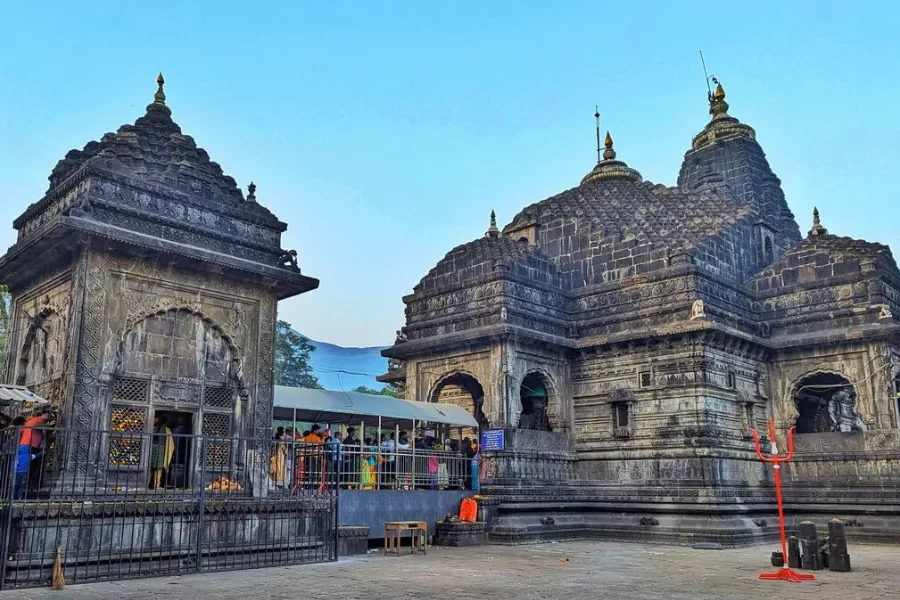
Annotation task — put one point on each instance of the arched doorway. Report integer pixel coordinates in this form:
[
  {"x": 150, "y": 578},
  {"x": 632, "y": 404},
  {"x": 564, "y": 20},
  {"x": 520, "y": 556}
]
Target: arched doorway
[
  {"x": 177, "y": 376},
  {"x": 826, "y": 402},
  {"x": 462, "y": 390},
  {"x": 534, "y": 397}
]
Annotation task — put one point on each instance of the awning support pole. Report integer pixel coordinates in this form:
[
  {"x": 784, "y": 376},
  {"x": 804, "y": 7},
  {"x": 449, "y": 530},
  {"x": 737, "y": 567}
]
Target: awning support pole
[{"x": 379, "y": 466}]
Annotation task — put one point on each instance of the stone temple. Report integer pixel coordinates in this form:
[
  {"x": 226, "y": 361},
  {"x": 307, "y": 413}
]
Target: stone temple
[
  {"x": 145, "y": 283},
  {"x": 627, "y": 336}
]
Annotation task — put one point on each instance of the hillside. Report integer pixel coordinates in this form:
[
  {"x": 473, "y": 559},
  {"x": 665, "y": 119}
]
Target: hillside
[{"x": 340, "y": 368}]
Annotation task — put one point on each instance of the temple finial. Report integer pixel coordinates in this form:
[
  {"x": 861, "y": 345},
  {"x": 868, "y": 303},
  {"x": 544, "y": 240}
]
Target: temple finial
[
  {"x": 492, "y": 230},
  {"x": 597, "y": 124},
  {"x": 718, "y": 108},
  {"x": 609, "y": 153},
  {"x": 720, "y": 92},
  {"x": 160, "y": 97},
  {"x": 251, "y": 192},
  {"x": 817, "y": 228}
]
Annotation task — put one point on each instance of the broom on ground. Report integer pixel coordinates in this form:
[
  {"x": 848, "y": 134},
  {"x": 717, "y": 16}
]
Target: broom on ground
[{"x": 59, "y": 580}]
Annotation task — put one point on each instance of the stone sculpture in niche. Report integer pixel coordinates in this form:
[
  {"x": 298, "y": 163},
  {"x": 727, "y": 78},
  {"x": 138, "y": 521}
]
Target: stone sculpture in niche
[
  {"x": 842, "y": 413},
  {"x": 697, "y": 310}
]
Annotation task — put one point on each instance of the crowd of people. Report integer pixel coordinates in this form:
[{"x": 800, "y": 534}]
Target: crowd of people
[{"x": 316, "y": 458}]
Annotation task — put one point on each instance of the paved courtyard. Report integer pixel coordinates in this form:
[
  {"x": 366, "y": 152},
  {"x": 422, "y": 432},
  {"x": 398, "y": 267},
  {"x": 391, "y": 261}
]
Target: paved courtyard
[{"x": 573, "y": 570}]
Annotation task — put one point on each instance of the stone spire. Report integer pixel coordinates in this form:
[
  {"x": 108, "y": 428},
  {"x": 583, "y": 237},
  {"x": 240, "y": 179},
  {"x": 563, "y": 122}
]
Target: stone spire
[
  {"x": 610, "y": 168},
  {"x": 251, "y": 192},
  {"x": 817, "y": 228},
  {"x": 492, "y": 231}
]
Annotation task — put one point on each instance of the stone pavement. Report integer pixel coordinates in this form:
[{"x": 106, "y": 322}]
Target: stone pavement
[{"x": 572, "y": 570}]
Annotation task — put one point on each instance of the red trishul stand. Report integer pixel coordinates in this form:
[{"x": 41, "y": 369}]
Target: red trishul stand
[{"x": 785, "y": 572}]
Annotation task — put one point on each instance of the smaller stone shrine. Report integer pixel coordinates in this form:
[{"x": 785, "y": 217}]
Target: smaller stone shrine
[{"x": 145, "y": 283}]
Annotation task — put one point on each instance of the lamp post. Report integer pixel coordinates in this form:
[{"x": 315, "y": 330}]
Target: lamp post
[{"x": 785, "y": 572}]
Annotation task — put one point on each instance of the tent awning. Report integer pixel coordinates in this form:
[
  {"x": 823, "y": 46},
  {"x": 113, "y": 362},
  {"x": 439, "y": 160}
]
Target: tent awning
[
  {"x": 19, "y": 393},
  {"x": 352, "y": 407}
]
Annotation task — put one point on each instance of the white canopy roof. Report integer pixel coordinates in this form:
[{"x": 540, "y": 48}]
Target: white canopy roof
[
  {"x": 20, "y": 394},
  {"x": 352, "y": 407}
]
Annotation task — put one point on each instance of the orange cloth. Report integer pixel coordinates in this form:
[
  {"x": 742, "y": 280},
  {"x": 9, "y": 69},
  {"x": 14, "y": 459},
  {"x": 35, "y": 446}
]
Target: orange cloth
[
  {"x": 30, "y": 437},
  {"x": 468, "y": 510},
  {"x": 312, "y": 438}
]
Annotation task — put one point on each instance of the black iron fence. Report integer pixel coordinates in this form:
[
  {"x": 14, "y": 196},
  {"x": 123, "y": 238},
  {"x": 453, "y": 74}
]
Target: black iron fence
[{"x": 116, "y": 504}]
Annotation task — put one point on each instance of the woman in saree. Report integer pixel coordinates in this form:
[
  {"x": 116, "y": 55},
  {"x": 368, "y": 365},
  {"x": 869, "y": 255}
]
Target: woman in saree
[
  {"x": 278, "y": 463},
  {"x": 367, "y": 466}
]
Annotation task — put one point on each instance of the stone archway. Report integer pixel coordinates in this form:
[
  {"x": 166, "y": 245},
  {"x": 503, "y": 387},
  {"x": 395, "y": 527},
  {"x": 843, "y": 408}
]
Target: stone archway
[
  {"x": 462, "y": 389},
  {"x": 825, "y": 402},
  {"x": 537, "y": 409},
  {"x": 537, "y": 394}
]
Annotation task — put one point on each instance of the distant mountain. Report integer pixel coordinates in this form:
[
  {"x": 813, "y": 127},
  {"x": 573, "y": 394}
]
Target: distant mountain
[{"x": 339, "y": 368}]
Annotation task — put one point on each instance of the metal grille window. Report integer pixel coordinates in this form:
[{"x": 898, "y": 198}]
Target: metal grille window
[
  {"x": 125, "y": 449},
  {"x": 218, "y": 397},
  {"x": 217, "y": 425},
  {"x": 131, "y": 390}
]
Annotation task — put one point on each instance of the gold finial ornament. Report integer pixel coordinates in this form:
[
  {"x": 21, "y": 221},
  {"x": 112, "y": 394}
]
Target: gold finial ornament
[
  {"x": 817, "y": 228},
  {"x": 609, "y": 167},
  {"x": 720, "y": 92},
  {"x": 721, "y": 125},
  {"x": 609, "y": 153},
  {"x": 160, "y": 96}
]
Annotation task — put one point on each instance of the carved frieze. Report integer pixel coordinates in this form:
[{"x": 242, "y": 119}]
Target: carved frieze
[{"x": 171, "y": 392}]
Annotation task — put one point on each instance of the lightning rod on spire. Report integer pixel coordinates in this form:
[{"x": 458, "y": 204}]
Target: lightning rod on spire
[{"x": 597, "y": 122}]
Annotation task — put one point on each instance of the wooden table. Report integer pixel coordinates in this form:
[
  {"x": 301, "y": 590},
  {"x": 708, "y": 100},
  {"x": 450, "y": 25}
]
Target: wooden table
[{"x": 393, "y": 531}]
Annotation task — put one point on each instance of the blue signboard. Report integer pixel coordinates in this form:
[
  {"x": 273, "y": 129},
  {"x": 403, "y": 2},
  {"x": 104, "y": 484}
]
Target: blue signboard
[{"x": 492, "y": 439}]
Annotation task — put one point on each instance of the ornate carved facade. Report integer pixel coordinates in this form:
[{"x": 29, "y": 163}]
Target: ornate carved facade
[
  {"x": 663, "y": 323},
  {"x": 145, "y": 281}
]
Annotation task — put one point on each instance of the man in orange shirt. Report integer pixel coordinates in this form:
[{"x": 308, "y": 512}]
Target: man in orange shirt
[
  {"x": 30, "y": 454},
  {"x": 314, "y": 462}
]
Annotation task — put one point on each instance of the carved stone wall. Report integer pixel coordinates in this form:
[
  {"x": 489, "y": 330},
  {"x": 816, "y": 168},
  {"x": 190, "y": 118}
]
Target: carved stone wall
[
  {"x": 40, "y": 334},
  {"x": 686, "y": 401}
]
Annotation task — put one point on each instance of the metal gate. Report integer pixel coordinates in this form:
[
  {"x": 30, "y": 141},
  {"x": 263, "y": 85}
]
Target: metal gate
[{"x": 144, "y": 505}]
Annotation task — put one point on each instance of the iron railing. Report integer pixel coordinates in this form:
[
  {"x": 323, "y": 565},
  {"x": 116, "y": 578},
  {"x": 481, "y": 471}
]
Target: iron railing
[
  {"x": 377, "y": 468},
  {"x": 121, "y": 504}
]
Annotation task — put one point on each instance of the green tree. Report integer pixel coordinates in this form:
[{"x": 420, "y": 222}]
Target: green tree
[
  {"x": 385, "y": 391},
  {"x": 389, "y": 390},
  {"x": 4, "y": 322},
  {"x": 292, "y": 352}
]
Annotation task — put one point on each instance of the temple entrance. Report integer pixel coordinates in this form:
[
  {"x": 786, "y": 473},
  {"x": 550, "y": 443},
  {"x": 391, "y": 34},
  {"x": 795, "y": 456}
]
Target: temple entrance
[
  {"x": 825, "y": 403},
  {"x": 171, "y": 449},
  {"x": 462, "y": 390},
  {"x": 535, "y": 401}
]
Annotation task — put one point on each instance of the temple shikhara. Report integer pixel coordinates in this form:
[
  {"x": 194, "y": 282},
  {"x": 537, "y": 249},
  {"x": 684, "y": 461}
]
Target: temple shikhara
[{"x": 626, "y": 336}]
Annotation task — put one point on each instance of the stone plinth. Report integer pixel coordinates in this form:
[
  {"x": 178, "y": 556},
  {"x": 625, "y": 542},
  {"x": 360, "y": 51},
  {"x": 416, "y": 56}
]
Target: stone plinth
[
  {"x": 460, "y": 534},
  {"x": 352, "y": 540}
]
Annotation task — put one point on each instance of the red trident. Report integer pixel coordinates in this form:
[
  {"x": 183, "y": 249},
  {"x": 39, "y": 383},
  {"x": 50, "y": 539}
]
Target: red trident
[{"x": 785, "y": 572}]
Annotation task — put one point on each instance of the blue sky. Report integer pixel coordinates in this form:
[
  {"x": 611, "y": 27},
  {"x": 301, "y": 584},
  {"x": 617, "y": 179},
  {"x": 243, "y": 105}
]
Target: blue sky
[{"x": 384, "y": 133}]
